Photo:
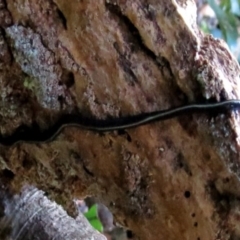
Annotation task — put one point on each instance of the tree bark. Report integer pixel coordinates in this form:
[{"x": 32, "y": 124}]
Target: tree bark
[{"x": 174, "y": 179}]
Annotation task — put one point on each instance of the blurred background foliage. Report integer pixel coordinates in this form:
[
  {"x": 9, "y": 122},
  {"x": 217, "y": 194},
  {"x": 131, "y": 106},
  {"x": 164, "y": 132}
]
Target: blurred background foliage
[{"x": 221, "y": 18}]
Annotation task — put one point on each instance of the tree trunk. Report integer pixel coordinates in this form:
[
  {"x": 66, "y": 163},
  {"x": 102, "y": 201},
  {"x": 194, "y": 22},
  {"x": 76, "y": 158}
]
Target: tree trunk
[{"x": 173, "y": 179}]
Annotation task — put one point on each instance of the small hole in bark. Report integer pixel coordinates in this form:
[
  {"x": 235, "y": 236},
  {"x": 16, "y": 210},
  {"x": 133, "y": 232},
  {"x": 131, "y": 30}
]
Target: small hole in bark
[
  {"x": 193, "y": 214},
  {"x": 121, "y": 132},
  {"x": 60, "y": 98},
  {"x": 61, "y": 101},
  {"x": 62, "y": 18},
  {"x": 67, "y": 78},
  {"x": 70, "y": 79},
  {"x": 26, "y": 164},
  {"x": 223, "y": 95},
  {"x": 110, "y": 142},
  {"x": 195, "y": 224},
  {"x": 187, "y": 194},
  {"x": 227, "y": 180},
  {"x": 129, "y": 234},
  {"x": 8, "y": 174},
  {"x": 112, "y": 204},
  {"x": 129, "y": 138}
]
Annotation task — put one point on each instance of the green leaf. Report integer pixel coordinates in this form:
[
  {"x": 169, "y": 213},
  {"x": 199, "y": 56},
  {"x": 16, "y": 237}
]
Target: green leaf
[
  {"x": 96, "y": 224},
  {"x": 227, "y": 22},
  {"x": 92, "y": 212},
  {"x": 92, "y": 217},
  {"x": 225, "y": 5}
]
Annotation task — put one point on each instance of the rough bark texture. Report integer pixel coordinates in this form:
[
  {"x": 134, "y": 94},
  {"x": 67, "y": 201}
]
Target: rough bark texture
[{"x": 177, "y": 179}]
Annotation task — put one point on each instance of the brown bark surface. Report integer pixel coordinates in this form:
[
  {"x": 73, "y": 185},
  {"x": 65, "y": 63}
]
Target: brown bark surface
[{"x": 174, "y": 179}]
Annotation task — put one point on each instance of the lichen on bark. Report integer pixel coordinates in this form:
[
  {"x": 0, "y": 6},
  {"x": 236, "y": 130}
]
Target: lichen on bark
[{"x": 176, "y": 179}]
